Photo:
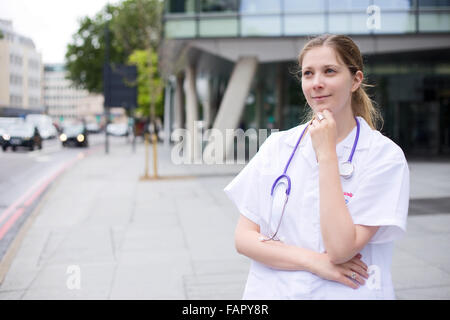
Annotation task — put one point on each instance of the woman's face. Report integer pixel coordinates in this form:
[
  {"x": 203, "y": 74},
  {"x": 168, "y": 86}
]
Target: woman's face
[{"x": 326, "y": 82}]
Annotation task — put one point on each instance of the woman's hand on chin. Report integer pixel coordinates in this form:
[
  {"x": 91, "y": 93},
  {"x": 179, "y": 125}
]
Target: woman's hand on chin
[{"x": 323, "y": 135}]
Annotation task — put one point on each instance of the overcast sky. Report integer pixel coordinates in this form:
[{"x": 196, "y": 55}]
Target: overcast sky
[{"x": 49, "y": 23}]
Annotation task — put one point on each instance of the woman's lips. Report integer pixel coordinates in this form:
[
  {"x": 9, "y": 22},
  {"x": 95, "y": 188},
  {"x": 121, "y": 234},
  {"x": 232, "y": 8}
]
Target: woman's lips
[{"x": 320, "y": 98}]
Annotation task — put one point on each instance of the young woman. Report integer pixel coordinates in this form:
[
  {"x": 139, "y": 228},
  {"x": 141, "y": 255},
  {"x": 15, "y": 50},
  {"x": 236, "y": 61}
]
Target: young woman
[{"x": 322, "y": 203}]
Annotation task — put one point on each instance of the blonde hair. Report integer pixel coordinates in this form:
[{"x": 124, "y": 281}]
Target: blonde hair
[{"x": 349, "y": 54}]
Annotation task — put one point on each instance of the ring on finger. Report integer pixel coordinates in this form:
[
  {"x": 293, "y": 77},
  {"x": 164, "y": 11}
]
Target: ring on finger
[
  {"x": 353, "y": 275},
  {"x": 320, "y": 117}
]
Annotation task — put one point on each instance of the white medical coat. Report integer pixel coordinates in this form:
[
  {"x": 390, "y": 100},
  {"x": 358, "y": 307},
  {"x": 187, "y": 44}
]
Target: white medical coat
[{"x": 376, "y": 195}]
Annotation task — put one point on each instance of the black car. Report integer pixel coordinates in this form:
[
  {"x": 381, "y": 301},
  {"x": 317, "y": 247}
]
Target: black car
[
  {"x": 21, "y": 135},
  {"x": 75, "y": 136}
]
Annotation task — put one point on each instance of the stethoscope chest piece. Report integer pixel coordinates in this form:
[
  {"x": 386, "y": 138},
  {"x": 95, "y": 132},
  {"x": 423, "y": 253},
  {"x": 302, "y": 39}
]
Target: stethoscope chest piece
[{"x": 346, "y": 169}]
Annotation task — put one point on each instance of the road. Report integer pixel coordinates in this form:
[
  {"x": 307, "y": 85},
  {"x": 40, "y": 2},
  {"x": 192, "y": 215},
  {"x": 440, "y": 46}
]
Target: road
[{"x": 25, "y": 176}]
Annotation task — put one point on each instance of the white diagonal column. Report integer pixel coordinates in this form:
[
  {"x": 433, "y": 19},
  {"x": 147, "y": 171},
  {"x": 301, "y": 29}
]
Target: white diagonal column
[
  {"x": 232, "y": 105},
  {"x": 192, "y": 114}
]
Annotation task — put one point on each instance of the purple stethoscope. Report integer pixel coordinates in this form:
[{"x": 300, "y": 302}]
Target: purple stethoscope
[{"x": 345, "y": 170}]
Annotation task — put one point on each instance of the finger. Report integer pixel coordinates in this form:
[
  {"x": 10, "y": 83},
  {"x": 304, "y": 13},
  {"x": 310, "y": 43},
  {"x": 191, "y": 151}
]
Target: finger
[
  {"x": 349, "y": 283},
  {"x": 357, "y": 278},
  {"x": 315, "y": 123},
  {"x": 358, "y": 269},
  {"x": 327, "y": 114},
  {"x": 359, "y": 262}
]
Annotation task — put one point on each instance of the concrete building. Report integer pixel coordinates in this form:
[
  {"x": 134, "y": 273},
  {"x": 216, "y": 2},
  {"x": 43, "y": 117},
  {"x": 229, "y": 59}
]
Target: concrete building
[
  {"x": 64, "y": 101},
  {"x": 21, "y": 73},
  {"x": 231, "y": 63}
]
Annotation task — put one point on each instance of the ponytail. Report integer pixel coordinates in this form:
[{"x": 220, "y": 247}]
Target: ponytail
[{"x": 363, "y": 106}]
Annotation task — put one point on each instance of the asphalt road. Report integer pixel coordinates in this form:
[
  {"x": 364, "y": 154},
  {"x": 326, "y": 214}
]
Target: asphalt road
[{"x": 25, "y": 176}]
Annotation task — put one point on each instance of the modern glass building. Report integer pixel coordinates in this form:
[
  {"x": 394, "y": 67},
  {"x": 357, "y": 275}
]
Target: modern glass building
[{"x": 232, "y": 63}]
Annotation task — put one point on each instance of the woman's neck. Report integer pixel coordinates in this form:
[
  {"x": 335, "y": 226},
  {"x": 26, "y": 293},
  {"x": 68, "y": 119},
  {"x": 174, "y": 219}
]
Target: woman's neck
[{"x": 345, "y": 122}]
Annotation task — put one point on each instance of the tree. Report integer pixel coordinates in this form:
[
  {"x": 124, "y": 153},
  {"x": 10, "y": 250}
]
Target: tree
[
  {"x": 138, "y": 24},
  {"x": 131, "y": 23},
  {"x": 138, "y": 28},
  {"x": 85, "y": 55},
  {"x": 148, "y": 81}
]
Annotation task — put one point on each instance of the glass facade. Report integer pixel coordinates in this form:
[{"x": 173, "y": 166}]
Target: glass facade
[
  {"x": 412, "y": 89},
  {"x": 269, "y": 18},
  {"x": 413, "y": 93}
]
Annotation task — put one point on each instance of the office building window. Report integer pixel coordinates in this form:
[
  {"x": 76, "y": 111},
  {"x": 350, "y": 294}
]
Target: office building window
[
  {"x": 261, "y": 26},
  {"x": 260, "y": 6},
  {"x": 395, "y": 4},
  {"x": 218, "y": 27},
  {"x": 434, "y": 15},
  {"x": 434, "y": 4},
  {"x": 349, "y": 5},
  {"x": 293, "y": 6},
  {"x": 180, "y": 29},
  {"x": 434, "y": 22},
  {"x": 180, "y": 6},
  {"x": 304, "y": 24},
  {"x": 348, "y": 23},
  {"x": 397, "y": 22},
  {"x": 219, "y": 6}
]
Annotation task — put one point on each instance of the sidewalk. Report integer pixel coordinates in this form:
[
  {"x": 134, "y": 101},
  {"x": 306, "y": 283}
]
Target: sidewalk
[{"x": 173, "y": 239}]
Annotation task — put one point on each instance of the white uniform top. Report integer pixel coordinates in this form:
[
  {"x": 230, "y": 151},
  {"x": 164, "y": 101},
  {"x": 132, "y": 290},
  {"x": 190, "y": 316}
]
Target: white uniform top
[{"x": 376, "y": 195}]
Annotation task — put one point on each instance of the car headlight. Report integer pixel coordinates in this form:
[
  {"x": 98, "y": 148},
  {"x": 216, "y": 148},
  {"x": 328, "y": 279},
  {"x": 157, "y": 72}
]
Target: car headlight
[
  {"x": 80, "y": 138},
  {"x": 6, "y": 137},
  {"x": 63, "y": 137}
]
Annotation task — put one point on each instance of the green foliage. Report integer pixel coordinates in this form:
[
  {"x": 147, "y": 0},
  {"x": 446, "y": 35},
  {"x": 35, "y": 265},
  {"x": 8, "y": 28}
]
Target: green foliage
[
  {"x": 1, "y": 34},
  {"x": 149, "y": 81},
  {"x": 133, "y": 24},
  {"x": 85, "y": 55},
  {"x": 137, "y": 24}
]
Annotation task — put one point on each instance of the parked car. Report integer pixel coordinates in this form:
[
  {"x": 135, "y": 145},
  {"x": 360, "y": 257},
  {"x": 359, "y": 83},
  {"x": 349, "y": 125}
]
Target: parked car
[
  {"x": 6, "y": 122},
  {"x": 93, "y": 127},
  {"x": 117, "y": 129},
  {"x": 21, "y": 135},
  {"x": 3, "y": 133},
  {"x": 75, "y": 136}
]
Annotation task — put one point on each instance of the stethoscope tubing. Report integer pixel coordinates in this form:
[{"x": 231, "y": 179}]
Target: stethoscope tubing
[{"x": 286, "y": 176}]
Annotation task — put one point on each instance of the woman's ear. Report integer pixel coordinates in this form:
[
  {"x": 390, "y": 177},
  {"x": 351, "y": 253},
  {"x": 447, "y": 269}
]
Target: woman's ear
[{"x": 357, "y": 80}]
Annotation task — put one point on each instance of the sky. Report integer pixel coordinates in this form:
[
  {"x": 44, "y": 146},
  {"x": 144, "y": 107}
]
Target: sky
[{"x": 49, "y": 23}]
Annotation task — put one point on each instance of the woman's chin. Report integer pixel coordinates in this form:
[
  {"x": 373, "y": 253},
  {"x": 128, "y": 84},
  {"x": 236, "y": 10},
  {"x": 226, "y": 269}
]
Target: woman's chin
[{"x": 320, "y": 108}]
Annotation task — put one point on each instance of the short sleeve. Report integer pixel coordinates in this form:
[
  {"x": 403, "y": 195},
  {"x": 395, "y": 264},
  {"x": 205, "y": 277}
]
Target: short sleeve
[
  {"x": 243, "y": 190},
  {"x": 382, "y": 197}
]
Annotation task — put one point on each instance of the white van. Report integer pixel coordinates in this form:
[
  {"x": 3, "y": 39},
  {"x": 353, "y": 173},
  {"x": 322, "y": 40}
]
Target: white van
[{"x": 44, "y": 124}]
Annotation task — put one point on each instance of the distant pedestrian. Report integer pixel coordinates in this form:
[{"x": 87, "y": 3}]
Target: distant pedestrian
[{"x": 322, "y": 203}]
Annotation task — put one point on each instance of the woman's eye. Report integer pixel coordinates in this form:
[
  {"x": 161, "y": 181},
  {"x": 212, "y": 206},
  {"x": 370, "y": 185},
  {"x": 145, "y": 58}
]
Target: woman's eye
[
  {"x": 329, "y": 70},
  {"x": 306, "y": 73}
]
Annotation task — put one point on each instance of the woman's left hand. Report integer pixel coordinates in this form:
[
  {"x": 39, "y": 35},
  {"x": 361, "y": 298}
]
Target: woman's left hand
[{"x": 324, "y": 135}]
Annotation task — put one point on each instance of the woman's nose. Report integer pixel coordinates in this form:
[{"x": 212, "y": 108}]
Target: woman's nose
[{"x": 317, "y": 82}]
